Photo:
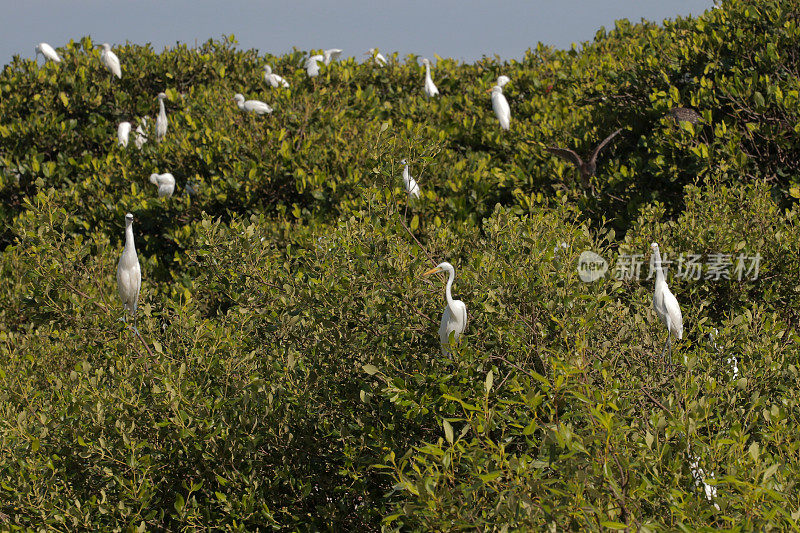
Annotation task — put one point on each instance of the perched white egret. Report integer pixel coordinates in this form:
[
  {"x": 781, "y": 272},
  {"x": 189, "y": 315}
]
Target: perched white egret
[
  {"x": 110, "y": 60},
  {"x": 273, "y": 79},
  {"x": 48, "y": 52},
  {"x": 430, "y": 87},
  {"x": 411, "y": 185},
  {"x": 665, "y": 304},
  {"x": 252, "y": 106},
  {"x": 165, "y": 182},
  {"x": 454, "y": 317},
  {"x": 330, "y": 54},
  {"x": 502, "y": 80},
  {"x": 500, "y": 106},
  {"x": 161, "y": 119},
  {"x": 312, "y": 65},
  {"x": 129, "y": 274},
  {"x": 123, "y": 132},
  {"x": 377, "y": 57},
  {"x": 141, "y": 136}
]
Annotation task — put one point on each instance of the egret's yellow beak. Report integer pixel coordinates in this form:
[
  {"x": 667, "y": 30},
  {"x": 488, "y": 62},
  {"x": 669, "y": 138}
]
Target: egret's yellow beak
[
  {"x": 434, "y": 270},
  {"x": 489, "y": 90}
]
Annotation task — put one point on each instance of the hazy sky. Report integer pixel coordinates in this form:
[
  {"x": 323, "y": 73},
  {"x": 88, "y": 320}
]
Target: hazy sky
[{"x": 462, "y": 29}]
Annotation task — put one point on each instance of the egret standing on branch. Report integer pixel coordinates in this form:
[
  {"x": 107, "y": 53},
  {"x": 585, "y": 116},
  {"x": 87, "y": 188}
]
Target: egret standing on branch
[
  {"x": 48, "y": 52},
  {"x": 141, "y": 136},
  {"x": 110, "y": 60},
  {"x": 500, "y": 106},
  {"x": 123, "y": 132},
  {"x": 411, "y": 185},
  {"x": 129, "y": 274},
  {"x": 665, "y": 304},
  {"x": 430, "y": 87},
  {"x": 161, "y": 120},
  {"x": 330, "y": 54},
  {"x": 312, "y": 65},
  {"x": 252, "y": 106},
  {"x": 502, "y": 80},
  {"x": 273, "y": 79},
  {"x": 377, "y": 57},
  {"x": 454, "y": 317},
  {"x": 165, "y": 182}
]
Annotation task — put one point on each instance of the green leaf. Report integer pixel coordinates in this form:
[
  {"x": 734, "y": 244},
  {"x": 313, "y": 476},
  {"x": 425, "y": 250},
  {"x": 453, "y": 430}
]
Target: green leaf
[
  {"x": 414, "y": 223},
  {"x": 448, "y": 431},
  {"x": 179, "y": 502},
  {"x": 64, "y": 100},
  {"x": 489, "y": 381},
  {"x": 614, "y": 525},
  {"x": 370, "y": 369}
]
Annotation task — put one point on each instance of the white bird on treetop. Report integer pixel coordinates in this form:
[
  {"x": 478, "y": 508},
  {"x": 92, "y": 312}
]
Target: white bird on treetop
[
  {"x": 161, "y": 120},
  {"x": 412, "y": 188},
  {"x": 252, "y": 106},
  {"x": 110, "y": 60},
  {"x": 48, "y": 52},
  {"x": 500, "y": 106},
  {"x": 312, "y": 65},
  {"x": 273, "y": 79},
  {"x": 377, "y": 57},
  {"x": 141, "y": 136},
  {"x": 454, "y": 317},
  {"x": 165, "y": 182},
  {"x": 665, "y": 303},
  {"x": 430, "y": 87},
  {"x": 123, "y": 131},
  {"x": 502, "y": 80},
  {"x": 129, "y": 274},
  {"x": 330, "y": 54}
]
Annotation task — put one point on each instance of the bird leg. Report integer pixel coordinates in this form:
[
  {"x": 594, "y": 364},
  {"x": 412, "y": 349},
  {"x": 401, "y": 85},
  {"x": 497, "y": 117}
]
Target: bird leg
[{"x": 664, "y": 351}]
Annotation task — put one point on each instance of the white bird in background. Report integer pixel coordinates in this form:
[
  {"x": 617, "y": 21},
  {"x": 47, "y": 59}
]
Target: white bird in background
[
  {"x": 500, "y": 106},
  {"x": 123, "y": 132},
  {"x": 454, "y": 317},
  {"x": 411, "y": 185},
  {"x": 665, "y": 304},
  {"x": 161, "y": 120},
  {"x": 129, "y": 274},
  {"x": 48, "y": 52},
  {"x": 252, "y": 106},
  {"x": 110, "y": 60},
  {"x": 330, "y": 54},
  {"x": 430, "y": 87},
  {"x": 141, "y": 136},
  {"x": 377, "y": 57},
  {"x": 165, "y": 182},
  {"x": 502, "y": 80},
  {"x": 273, "y": 79},
  {"x": 312, "y": 65}
]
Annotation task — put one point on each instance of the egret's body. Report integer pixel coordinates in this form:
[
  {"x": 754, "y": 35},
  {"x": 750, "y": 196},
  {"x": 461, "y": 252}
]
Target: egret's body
[
  {"x": 430, "y": 87},
  {"x": 141, "y": 136},
  {"x": 48, "y": 52},
  {"x": 330, "y": 54},
  {"x": 412, "y": 188},
  {"x": 129, "y": 274},
  {"x": 165, "y": 182},
  {"x": 273, "y": 79},
  {"x": 502, "y": 80},
  {"x": 500, "y": 106},
  {"x": 252, "y": 106},
  {"x": 123, "y": 133},
  {"x": 454, "y": 317},
  {"x": 312, "y": 65},
  {"x": 665, "y": 303},
  {"x": 110, "y": 60},
  {"x": 161, "y": 120},
  {"x": 377, "y": 57}
]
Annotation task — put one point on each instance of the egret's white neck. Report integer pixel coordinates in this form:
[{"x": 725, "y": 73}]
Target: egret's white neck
[
  {"x": 161, "y": 106},
  {"x": 657, "y": 265},
  {"x": 447, "y": 291},
  {"x": 129, "y": 237}
]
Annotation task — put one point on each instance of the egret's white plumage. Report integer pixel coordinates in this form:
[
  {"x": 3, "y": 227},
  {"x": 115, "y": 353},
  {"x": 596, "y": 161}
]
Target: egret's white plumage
[
  {"x": 48, "y": 52},
  {"x": 665, "y": 303},
  {"x": 502, "y": 80},
  {"x": 165, "y": 182},
  {"x": 161, "y": 120},
  {"x": 273, "y": 79},
  {"x": 412, "y": 188},
  {"x": 430, "y": 87},
  {"x": 123, "y": 132},
  {"x": 129, "y": 274},
  {"x": 312, "y": 65},
  {"x": 252, "y": 106},
  {"x": 110, "y": 60},
  {"x": 141, "y": 136},
  {"x": 500, "y": 106},
  {"x": 454, "y": 317},
  {"x": 330, "y": 54},
  {"x": 377, "y": 57}
]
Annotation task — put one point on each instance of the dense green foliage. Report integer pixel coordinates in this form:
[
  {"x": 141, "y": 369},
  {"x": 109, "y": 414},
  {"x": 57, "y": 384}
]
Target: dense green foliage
[{"x": 289, "y": 376}]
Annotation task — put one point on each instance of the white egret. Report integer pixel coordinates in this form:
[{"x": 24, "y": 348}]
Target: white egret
[
  {"x": 500, "y": 106},
  {"x": 273, "y": 79},
  {"x": 48, "y": 52},
  {"x": 141, "y": 136},
  {"x": 110, "y": 60},
  {"x": 123, "y": 132},
  {"x": 665, "y": 304},
  {"x": 312, "y": 65},
  {"x": 252, "y": 106},
  {"x": 454, "y": 317},
  {"x": 129, "y": 274},
  {"x": 330, "y": 54},
  {"x": 502, "y": 80},
  {"x": 377, "y": 57},
  {"x": 161, "y": 119},
  {"x": 165, "y": 182},
  {"x": 430, "y": 87},
  {"x": 411, "y": 185}
]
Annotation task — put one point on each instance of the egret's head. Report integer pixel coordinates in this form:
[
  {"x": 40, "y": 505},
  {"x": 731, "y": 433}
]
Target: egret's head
[
  {"x": 154, "y": 179},
  {"x": 403, "y": 162},
  {"x": 162, "y": 96},
  {"x": 654, "y": 246},
  {"x": 38, "y": 48},
  {"x": 128, "y": 219},
  {"x": 238, "y": 98},
  {"x": 267, "y": 69},
  {"x": 502, "y": 80},
  {"x": 441, "y": 267},
  {"x": 106, "y": 47},
  {"x": 426, "y": 62}
]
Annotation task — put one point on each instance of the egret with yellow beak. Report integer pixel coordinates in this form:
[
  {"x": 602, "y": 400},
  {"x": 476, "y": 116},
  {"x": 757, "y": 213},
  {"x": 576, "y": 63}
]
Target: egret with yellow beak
[{"x": 454, "y": 317}]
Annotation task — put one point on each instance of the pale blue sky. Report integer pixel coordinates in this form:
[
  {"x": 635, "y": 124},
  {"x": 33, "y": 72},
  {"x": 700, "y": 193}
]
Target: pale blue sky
[{"x": 462, "y": 29}]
